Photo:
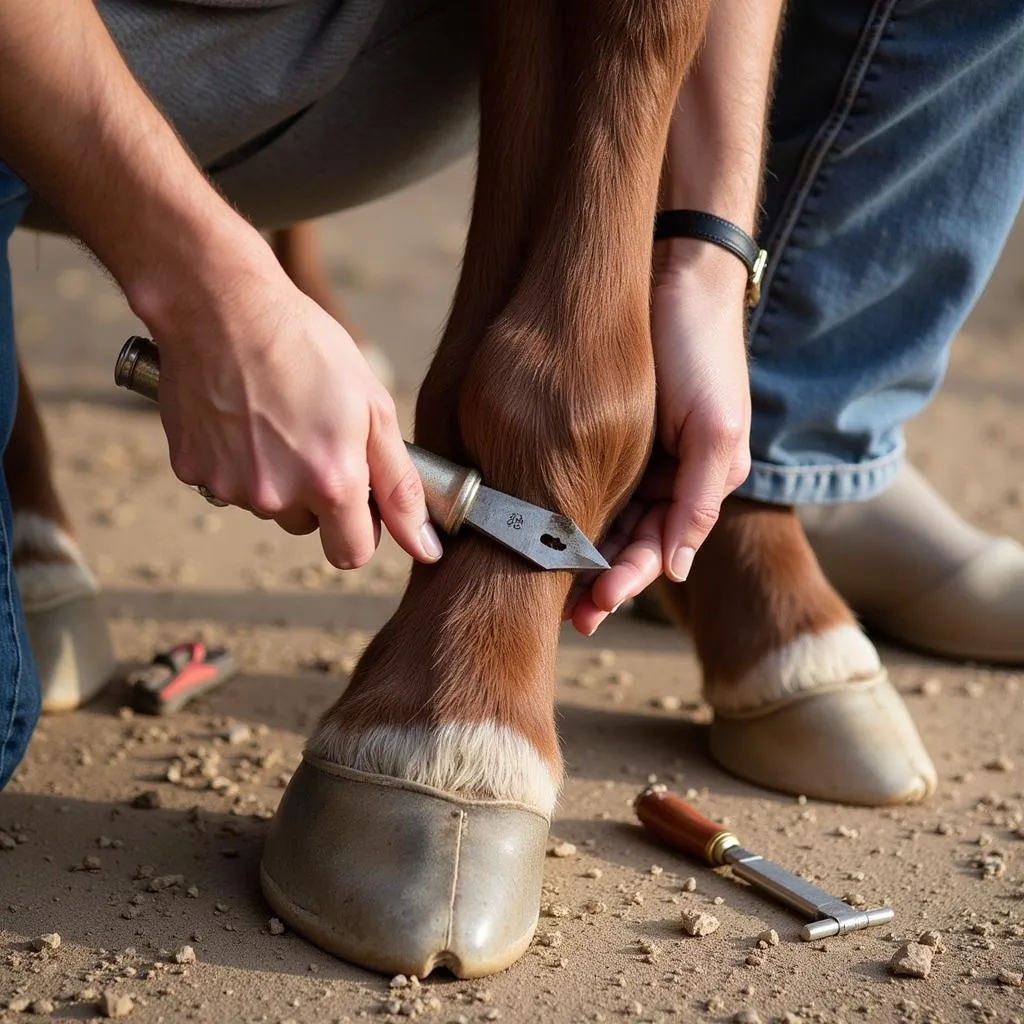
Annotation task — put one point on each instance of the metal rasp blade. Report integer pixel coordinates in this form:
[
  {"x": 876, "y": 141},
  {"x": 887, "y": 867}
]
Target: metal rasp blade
[{"x": 546, "y": 539}]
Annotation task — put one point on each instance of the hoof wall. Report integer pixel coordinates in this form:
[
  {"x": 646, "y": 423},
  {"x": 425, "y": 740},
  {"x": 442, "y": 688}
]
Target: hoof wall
[
  {"x": 72, "y": 649},
  {"x": 852, "y": 745},
  {"x": 401, "y": 878}
]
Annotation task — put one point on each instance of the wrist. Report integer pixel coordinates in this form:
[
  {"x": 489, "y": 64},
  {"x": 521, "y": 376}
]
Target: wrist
[
  {"x": 194, "y": 266},
  {"x": 695, "y": 261}
]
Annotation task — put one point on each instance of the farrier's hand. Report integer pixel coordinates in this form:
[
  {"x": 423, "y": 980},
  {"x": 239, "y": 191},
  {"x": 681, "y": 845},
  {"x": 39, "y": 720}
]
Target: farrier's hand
[
  {"x": 702, "y": 451},
  {"x": 267, "y": 402}
]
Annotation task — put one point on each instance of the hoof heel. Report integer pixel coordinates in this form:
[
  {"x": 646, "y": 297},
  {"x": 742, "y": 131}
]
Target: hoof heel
[
  {"x": 401, "y": 878},
  {"x": 72, "y": 649},
  {"x": 854, "y": 745}
]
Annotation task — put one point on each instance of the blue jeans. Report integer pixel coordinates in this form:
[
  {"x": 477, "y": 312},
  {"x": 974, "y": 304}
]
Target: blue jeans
[
  {"x": 19, "y": 684},
  {"x": 896, "y": 170}
]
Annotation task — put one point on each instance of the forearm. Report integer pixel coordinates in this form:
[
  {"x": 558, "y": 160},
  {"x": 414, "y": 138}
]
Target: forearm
[
  {"x": 79, "y": 130},
  {"x": 715, "y": 149}
]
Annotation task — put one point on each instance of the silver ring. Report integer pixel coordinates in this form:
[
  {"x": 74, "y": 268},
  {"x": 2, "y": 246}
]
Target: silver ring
[{"x": 211, "y": 497}]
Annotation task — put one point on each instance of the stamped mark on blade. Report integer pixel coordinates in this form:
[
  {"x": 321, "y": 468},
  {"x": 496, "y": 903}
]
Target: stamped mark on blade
[{"x": 548, "y": 540}]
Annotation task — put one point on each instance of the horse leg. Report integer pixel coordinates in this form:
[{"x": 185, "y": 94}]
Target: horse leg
[{"x": 436, "y": 771}]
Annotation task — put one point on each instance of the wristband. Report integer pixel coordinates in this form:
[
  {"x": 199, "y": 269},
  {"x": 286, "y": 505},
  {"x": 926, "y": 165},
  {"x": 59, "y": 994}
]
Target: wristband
[{"x": 721, "y": 232}]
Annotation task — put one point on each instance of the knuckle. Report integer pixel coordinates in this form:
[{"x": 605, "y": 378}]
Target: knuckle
[
  {"x": 407, "y": 495},
  {"x": 340, "y": 484},
  {"x": 703, "y": 517},
  {"x": 729, "y": 431}
]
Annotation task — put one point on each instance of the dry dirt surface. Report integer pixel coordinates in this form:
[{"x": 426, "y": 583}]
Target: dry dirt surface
[{"x": 160, "y": 903}]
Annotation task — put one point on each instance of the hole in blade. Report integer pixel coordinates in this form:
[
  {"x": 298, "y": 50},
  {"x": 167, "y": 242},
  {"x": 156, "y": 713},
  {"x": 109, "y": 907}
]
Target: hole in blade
[{"x": 549, "y": 540}]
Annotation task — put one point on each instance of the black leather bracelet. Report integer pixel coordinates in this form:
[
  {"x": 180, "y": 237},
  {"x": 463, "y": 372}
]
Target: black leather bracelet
[{"x": 718, "y": 231}]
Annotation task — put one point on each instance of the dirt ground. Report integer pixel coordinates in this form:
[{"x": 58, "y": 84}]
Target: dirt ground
[{"x": 88, "y": 865}]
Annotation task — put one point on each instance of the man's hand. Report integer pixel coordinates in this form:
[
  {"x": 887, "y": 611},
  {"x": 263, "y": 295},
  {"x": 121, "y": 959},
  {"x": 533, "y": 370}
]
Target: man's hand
[
  {"x": 697, "y": 327},
  {"x": 271, "y": 406}
]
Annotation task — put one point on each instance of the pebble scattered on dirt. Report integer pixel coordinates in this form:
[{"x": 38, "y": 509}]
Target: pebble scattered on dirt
[
  {"x": 699, "y": 923},
  {"x": 115, "y": 1004},
  {"x": 912, "y": 960}
]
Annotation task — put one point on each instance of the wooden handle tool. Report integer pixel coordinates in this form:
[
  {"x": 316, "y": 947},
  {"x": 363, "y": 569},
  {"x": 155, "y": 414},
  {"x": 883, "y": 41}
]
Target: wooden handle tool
[{"x": 675, "y": 822}]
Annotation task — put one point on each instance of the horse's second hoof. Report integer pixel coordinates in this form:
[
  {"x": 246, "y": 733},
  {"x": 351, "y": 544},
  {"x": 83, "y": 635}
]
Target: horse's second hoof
[
  {"x": 852, "y": 744},
  {"x": 72, "y": 649},
  {"x": 402, "y": 878}
]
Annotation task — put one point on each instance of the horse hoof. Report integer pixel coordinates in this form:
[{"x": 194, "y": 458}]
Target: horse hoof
[
  {"x": 72, "y": 650},
  {"x": 402, "y": 878},
  {"x": 854, "y": 744}
]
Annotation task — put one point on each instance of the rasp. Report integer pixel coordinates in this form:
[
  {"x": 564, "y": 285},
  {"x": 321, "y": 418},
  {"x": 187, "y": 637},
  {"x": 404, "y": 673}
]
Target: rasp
[{"x": 455, "y": 495}]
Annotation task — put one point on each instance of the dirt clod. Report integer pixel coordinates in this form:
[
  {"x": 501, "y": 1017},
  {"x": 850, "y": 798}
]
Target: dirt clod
[
  {"x": 1012, "y": 979},
  {"x": 51, "y": 940},
  {"x": 770, "y": 937},
  {"x": 699, "y": 923},
  {"x": 562, "y": 850},
  {"x": 275, "y": 926},
  {"x": 147, "y": 800},
  {"x": 115, "y": 1004},
  {"x": 912, "y": 960},
  {"x": 185, "y": 955}
]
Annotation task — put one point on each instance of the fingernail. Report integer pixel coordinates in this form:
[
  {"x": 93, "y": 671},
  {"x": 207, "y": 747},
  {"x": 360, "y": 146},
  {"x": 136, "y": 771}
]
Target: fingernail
[
  {"x": 430, "y": 541},
  {"x": 617, "y": 607},
  {"x": 680, "y": 563}
]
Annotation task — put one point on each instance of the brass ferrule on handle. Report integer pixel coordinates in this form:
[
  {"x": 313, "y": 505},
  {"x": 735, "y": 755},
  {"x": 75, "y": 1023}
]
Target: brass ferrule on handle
[
  {"x": 138, "y": 367},
  {"x": 675, "y": 822},
  {"x": 449, "y": 489}
]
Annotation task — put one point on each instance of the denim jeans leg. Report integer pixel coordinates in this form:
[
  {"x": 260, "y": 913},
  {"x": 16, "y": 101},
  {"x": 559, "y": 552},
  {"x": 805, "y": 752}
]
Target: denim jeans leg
[
  {"x": 19, "y": 684},
  {"x": 895, "y": 172}
]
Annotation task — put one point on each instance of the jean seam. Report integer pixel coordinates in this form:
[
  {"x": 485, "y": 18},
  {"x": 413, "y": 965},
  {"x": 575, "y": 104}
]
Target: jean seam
[
  {"x": 810, "y": 175},
  {"x": 12, "y": 623}
]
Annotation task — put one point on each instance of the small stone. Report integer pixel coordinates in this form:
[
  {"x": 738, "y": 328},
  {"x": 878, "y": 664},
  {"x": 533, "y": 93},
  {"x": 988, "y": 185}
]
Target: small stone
[
  {"x": 656, "y": 870},
  {"x": 148, "y": 800},
  {"x": 112, "y": 1004},
  {"x": 597, "y": 872},
  {"x": 930, "y": 687},
  {"x": 689, "y": 885},
  {"x": 667, "y": 702},
  {"x": 563, "y": 850},
  {"x": 933, "y": 939},
  {"x": 51, "y": 940},
  {"x": 1012, "y": 979},
  {"x": 753, "y": 960},
  {"x": 550, "y": 939},
  {"x": 42, "y": 1007},
  {"x": 999, "y": 764},
  {"x": 398, "y": 981},
  {"x": 554, "y": 910},
  {"x": 699, "y": 923},
  {"x": 19, "y": 1004},
  {"x": 746, "y": 1016},
  {"x": 595, "y": 907},
  {"x": 769, "y": 937},
  {"x": 912, "y": 960},
  {"x": 7, "y": 842},
  {"x": 605, "y": 658},
  {"x": 185, "y": 955},
  {"x": 275, "y": 927},
  {"x": 192, "y": 892},
  {"x": 163, "y": 882},
  {"x": 91, "y": 863},
  {"x": 844, "y": 832},
  {"x": 236, "y": 735}
]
